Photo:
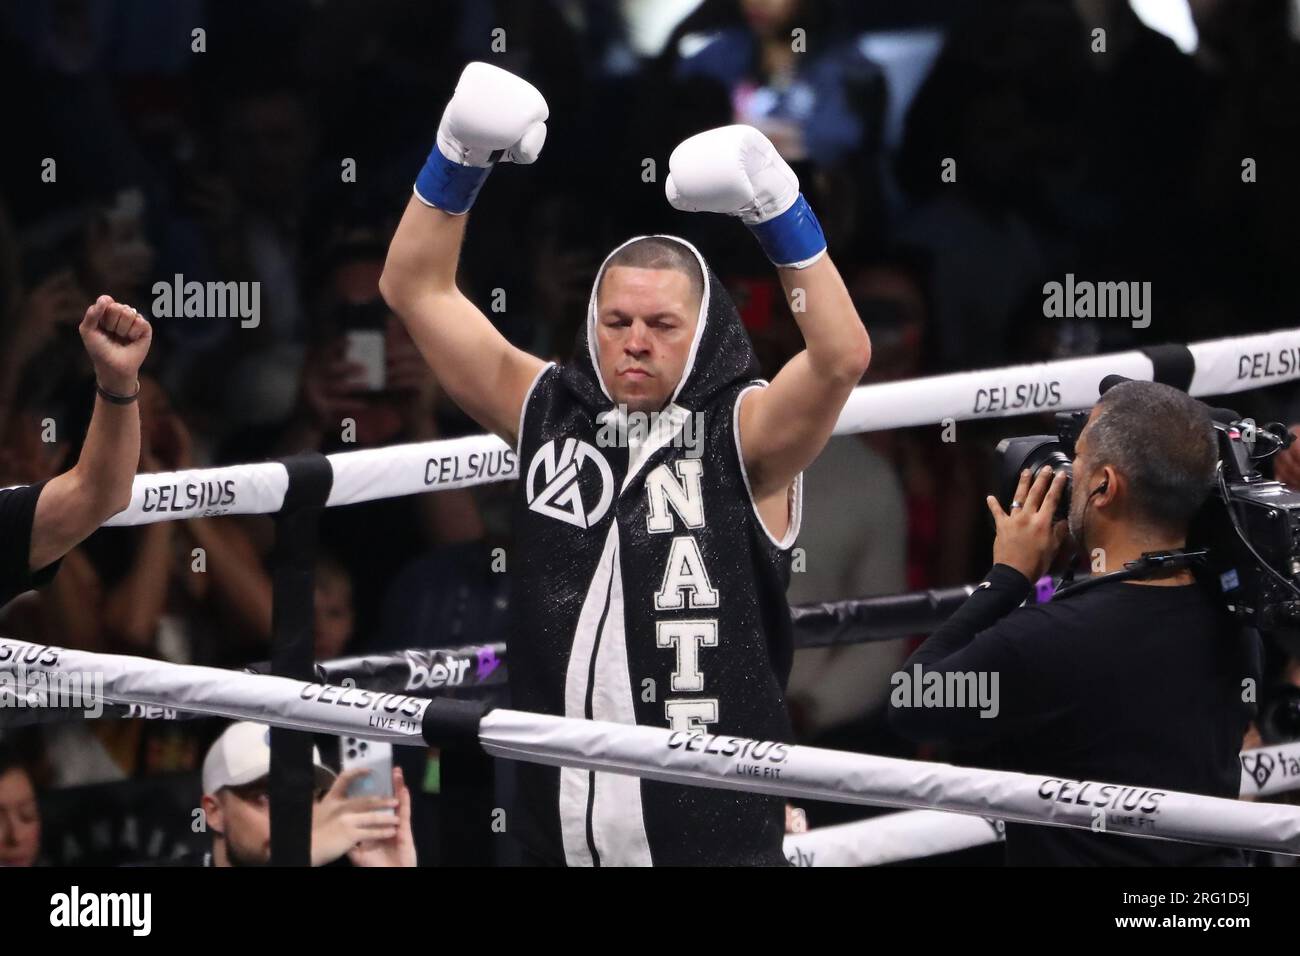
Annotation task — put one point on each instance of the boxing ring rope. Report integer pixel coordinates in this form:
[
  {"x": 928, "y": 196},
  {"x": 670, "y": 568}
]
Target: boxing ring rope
[
  {"x": 892, "y": 838},
  {"x": 1215, "y": 367},
  {"x": 886, "y": 617},
  {"x": 428, "y": 672},
  {"x": 812, "y": 773},
  {"x": 295, "y": 489},
  {"x": 681, "y": 757},
  {"x": 915, "y": 834}
]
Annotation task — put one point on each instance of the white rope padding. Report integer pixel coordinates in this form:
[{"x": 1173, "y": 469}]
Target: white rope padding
[
  {"x": 426, "y": 466},
  {"x": 810, "y": 773},
  {"x": 1265, "y": 771},
  {"x": 891, "y": 838},
  {"x": 280, "y": 701},
  {"x": 913, "y": 834},
  {"x": 366, "y": 475},
  {"x": 987, "y": 393},
  {"x": 692, "y": 758},
  {"x": 1223, "y": 366}
]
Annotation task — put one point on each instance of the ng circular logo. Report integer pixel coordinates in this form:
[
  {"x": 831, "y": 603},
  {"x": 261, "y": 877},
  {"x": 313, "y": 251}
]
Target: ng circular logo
[{"x": 560, "y": 494}]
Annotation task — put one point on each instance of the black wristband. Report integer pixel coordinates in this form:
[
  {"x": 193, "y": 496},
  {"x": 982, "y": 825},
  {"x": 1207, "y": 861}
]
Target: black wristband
[{"x": 108, "y": 396}]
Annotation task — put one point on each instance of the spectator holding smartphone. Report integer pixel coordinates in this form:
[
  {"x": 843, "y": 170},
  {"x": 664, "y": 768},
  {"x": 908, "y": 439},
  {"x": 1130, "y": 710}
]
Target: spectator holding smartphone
[{"x": 370, "y": 831}]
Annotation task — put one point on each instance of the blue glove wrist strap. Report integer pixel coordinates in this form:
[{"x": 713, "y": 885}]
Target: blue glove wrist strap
[
  {"x": 447, "y": 185},
  {"x": 793, "y": 237}
]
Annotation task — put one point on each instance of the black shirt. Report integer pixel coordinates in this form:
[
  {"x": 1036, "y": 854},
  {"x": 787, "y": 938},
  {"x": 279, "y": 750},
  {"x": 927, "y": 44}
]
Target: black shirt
[
  {"x": 17, "y": 511},
  {"x": 1120, "y": 683}
]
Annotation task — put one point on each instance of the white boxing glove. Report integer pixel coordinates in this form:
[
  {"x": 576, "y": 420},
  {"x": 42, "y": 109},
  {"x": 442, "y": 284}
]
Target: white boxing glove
[
  {"x": 494, "y": 116},
  {"x": 735, "y": 170},
  {"x": 492, "y": 110}
]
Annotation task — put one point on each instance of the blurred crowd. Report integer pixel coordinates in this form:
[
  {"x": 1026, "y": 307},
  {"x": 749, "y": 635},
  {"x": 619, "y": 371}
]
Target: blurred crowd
[{"x": 279, "y": 147}]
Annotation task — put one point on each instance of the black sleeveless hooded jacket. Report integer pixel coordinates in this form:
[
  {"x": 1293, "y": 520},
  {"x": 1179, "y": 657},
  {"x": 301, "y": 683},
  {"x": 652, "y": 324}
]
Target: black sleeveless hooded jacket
[{"x": 646, "y": 590}]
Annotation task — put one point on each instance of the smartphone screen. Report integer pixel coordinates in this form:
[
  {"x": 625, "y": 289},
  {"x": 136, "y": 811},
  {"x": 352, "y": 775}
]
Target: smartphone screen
[
  {"x": 365, "y": 347},
  {"x": 370, "y": 755}
]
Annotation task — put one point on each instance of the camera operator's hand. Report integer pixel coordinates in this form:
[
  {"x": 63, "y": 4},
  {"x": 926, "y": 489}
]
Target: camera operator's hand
[{"x": 1027, "y": 538}]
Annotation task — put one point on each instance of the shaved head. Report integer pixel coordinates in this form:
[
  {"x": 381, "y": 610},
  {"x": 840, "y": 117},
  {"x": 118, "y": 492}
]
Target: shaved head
[
  {"x": 648, "y": 307},
  {"x": 652, "y": 252}
]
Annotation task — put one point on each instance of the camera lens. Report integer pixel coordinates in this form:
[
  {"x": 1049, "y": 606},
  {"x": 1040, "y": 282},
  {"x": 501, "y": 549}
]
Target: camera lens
[
  {"x": 1032, "y": 452},
  {"x": 1281, "y": 720}
]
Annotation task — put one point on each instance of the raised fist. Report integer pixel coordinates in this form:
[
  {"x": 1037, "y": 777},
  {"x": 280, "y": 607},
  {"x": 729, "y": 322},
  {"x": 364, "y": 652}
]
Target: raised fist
[
  {"x": 492, "y": 110},
  {"x": 117, "y": 340},
  {"x": 735, "y": 170},
  {"x": 493, "y": 117}
]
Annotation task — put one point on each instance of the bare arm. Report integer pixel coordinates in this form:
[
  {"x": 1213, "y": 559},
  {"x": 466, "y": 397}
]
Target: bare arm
[
  {"x": 474, "y": 363},
  {"x": 784, "y": 427},
  {"x": 77, "y": 502}
]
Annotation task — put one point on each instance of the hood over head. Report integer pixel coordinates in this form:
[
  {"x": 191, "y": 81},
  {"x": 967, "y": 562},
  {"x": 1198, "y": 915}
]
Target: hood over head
[{"x": 721, "y": 353}]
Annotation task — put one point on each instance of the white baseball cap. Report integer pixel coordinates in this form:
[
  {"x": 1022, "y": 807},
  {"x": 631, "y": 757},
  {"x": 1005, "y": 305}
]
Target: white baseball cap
[{"x": 242, "y": 755}]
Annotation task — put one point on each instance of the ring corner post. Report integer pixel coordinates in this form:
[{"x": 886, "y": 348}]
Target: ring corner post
[{"x": 291, "y": 782}]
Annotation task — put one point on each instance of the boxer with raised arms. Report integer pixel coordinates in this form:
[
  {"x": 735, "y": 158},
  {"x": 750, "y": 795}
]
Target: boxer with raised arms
[{"x": 649, "y": 571}]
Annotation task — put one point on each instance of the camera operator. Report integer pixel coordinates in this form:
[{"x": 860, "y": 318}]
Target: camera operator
[{"x": 1137, "y": 682}]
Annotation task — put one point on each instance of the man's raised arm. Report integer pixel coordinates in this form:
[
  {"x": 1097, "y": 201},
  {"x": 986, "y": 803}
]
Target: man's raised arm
[
  {"x": 493, "y": 117},
  {"x": 735, "y": 170},
  {"x": 98, "y": 486}
]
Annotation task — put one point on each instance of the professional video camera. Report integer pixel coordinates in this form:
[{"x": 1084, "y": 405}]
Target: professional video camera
[{"x": 1246, "y": 537}]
